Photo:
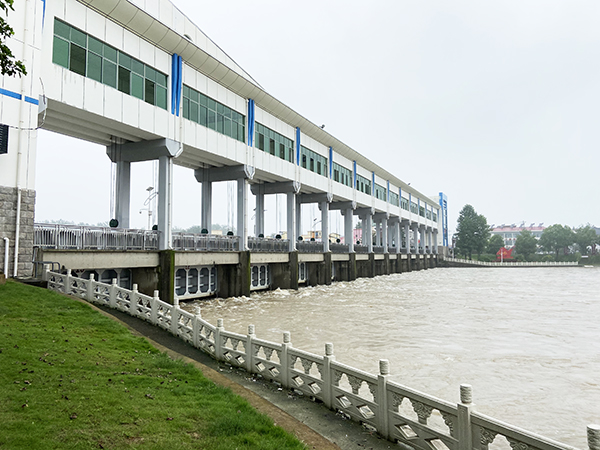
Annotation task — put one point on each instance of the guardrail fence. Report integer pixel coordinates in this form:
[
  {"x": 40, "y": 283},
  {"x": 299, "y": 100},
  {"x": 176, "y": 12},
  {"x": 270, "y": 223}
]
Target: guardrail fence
[
  {"x": 205, "y": 242},
  {"x": 396, "y": 412},
  {"x": 73, "y": 237},
  {"x": 512, "y": 263},
  {"x": 257, "y": 244}
]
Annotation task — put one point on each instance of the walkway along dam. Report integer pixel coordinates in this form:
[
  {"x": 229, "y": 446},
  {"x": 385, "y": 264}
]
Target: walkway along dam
[{"x": 139, "y": 78}]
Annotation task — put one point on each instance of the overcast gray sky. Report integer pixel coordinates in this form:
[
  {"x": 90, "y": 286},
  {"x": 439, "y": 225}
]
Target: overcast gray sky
[{"x": 495, "y": 104}]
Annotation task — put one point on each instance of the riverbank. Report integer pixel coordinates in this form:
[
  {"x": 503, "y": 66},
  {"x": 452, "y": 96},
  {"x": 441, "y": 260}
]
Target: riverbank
[{"x": 70, "y": 377}]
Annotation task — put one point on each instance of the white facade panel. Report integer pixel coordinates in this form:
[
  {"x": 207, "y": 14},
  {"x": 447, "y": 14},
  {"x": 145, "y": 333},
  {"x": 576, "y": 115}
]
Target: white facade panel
[
  {"x": 113, "y": 104},
  {"x": 76, "y": 14},
  {"x": 131, "y": 44},
  {"x": 93, "y": 100}
]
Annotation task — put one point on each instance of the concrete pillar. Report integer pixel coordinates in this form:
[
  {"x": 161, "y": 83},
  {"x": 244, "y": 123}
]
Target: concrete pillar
[
  {"x": 206, "y": 207},
  {"x": 348, "y": 230},
  {"x": 325, "y": 228},
  {"x": 242, "y": 212},
  {"x": 384, "y": 235},
  {"x": 415, "y": 239},
  {"x": 368, "y": 232},
  {"x": 422, "y": 239},
  {"x": 260, "y": 214},
  {"x": 298, "y": 217},
  {"x": 165, "y": 171},
  {"x": 406, "y": 228},
  {"x": 123, "y": 193},
  {"x": 435, "y": 242},
  {"x": 429, "y": 243},
  {"x": 291, "y": 220},
  {"x": 397, "y": 237}
]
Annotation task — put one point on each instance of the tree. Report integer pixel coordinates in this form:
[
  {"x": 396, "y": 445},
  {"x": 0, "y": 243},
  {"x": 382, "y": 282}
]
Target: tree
[
  {"x": 556, "y": 237},
  {"x": 586, "y": 237},
  {"x": 526, "y": 244},
  {"x": 495, "y": 243},
  {"x": 472, "y": 232},
  {"x": 8, "y": 64}
]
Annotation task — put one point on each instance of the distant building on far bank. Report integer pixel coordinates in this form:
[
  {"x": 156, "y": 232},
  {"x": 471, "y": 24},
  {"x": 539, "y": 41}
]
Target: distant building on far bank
[{"x": 510, "y": 232}]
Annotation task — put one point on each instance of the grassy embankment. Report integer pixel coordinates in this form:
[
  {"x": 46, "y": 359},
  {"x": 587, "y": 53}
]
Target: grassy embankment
[{"x": 72, "y": 378}]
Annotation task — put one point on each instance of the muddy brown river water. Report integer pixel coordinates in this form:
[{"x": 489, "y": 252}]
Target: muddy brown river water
[{"x": 526, "y": 339}]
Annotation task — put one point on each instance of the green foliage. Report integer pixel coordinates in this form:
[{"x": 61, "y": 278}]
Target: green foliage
[
  {"x": 72, "y": 378},
  {"x": 495, "y": 243},
  {"x": 556, "y": 237},
  {"x": 526, "y": 244},
  {"x": 8, "y": 65},
  {"x": 586, "y": 237},
  {"x": 472, "y": 232}
]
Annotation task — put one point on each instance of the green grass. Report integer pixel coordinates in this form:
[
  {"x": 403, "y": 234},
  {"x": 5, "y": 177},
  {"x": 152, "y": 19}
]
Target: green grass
[{"x": 71, "y": 378}]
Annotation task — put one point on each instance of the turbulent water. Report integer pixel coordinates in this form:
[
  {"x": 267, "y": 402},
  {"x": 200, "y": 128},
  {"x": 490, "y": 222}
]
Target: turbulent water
[{"x": 527, "y": 340}]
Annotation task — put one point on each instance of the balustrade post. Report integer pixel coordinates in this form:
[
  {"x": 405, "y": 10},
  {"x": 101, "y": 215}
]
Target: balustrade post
[
  {"x": 328, "y": 376},
  {"x": 90, "y": 289},
  {"x": 464, "y": 431},
  {"x": 285, "y": 360},
  {"x": 67, "y": 283},
  {"x": 154, "y": 308},
  {"x": 134, "y": 301},
  {"x": 382, "y": 398},
  {"x": 218, "y": 343},
  {"x": 175, "y": 316},
  {"x": 45, "y": 275},
  {"x": 250, "y": 350},
  {"x": 196, "y": 330},
  {"x": 112, "y": 294}
]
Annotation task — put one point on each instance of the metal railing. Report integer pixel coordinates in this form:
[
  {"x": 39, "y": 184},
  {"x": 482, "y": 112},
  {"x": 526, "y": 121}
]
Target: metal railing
[
  {"x": 361, "y": 248},
  {"x": 257, "y": 244},
  {"x": 73, "y": 237},
  {"x": 513, "y": 264},
  {"x": 205, "y": 242},
  {"x": 309, "y": 247},
  {"x": 397, "y": 412}
]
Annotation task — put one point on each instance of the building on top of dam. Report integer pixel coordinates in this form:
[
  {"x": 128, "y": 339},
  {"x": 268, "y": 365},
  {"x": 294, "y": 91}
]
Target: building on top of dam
[{"x": 141, "y": 79}]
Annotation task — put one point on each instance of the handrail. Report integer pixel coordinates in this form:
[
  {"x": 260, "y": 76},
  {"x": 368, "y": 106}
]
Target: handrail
[
  {"x": 397, "y": 412},
  {"x": 513, "y": 263},
  {"x": 75, "y": 237}
]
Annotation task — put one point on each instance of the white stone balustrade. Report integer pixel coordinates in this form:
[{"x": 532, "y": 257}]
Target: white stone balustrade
[{"x": 397, "y": 412}]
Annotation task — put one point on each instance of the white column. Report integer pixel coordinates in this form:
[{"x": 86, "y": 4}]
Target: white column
[
  {"x": 298, "y": 219},
  {"x": 397, "y": 237},
  {"x": 206, "y": 210},
  {"x": 407, "y": 236},
  {"x": 435, "y": 242},
  {"x": 123, "y": 193},
  {"x": 368, "y": 232},
  {"x": 165, "y": 169},
  {"x": 415, "y": 230},
  {"x": 260, "y": 214},
  {"x": 348, "y": 230},
  {"x": 384, "y": 237},
  {"x": 325, "y": 226},
  {"x": 242, "y": 212},
  {"x": 291, "y": 220}
]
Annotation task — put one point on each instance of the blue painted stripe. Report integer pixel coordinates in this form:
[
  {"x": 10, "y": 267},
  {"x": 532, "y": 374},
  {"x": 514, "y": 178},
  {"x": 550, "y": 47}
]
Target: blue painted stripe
[
  {"x": 372, "y": 184},
  {"x": 251, "y": 121},
  {"x": 31, "y": 100},
  {"x": 43, "y": 13},
  {"x": 388, "y": 191},
  {"x": 173, "y": 77},
  {"x": 176, "y": 83},
  {"x": 354, "y": 169},
  {"x": 298, "y": 146},
  {"x": 179, "y": 82},
  {"x": 10, "y": 93},
  {"x": 330, "y": 162}
]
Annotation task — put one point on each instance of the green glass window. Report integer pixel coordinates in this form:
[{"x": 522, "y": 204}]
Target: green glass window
[
  {"x": 150, "y": 92},
  {"x": 209, "y": 113},
  {"x": 124, "y": 80},
  {"x": 60, "y": 52},
  {"x": 363, "y": 185},
  {"x": 137, "y": 86},
  {"x": 109, "y": 74},
  {"x": 83, "y": 54},
  {"x": 94, "y": 68},
  {"x": 404, "y": 203},
  {"x": 77, "y": 61}
]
